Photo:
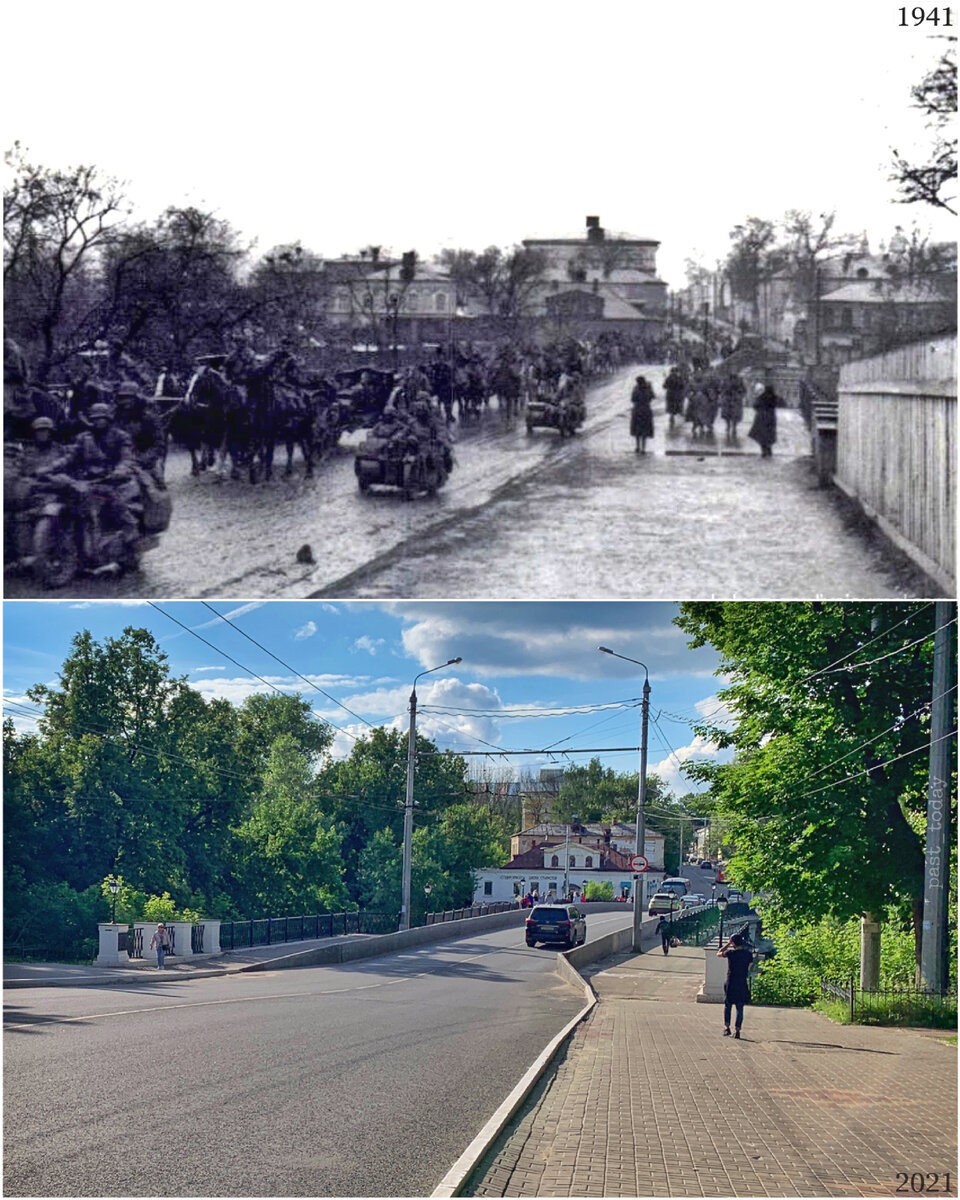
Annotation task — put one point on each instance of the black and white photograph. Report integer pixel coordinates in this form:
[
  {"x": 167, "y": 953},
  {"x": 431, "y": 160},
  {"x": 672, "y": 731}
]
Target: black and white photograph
[{"x": 456, "y": 300}]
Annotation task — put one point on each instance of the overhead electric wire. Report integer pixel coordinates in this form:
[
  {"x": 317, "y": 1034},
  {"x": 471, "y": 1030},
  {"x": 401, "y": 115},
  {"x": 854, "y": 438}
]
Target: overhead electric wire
[
  {"x": 218, "y": 650},
  {"x": 531, "y": 714},
  {"x": 307, "y": 681}
]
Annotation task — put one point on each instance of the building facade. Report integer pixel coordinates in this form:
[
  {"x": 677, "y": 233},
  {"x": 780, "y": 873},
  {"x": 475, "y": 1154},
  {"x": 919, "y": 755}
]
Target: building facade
[
  {"x": 556, "y": 860},
  {"x": 599, "y": 280}
]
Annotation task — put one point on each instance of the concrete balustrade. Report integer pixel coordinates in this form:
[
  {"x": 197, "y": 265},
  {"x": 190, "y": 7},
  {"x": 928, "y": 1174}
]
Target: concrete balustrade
[{"x": 110, "y": 955}]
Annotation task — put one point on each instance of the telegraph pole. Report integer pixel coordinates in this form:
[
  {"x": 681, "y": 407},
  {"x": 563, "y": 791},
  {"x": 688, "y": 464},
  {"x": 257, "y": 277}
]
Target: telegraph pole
[{"x": 934, "y": 940}]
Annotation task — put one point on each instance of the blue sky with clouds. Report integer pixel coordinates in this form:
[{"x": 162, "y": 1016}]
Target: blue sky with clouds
[{"x": 525, "y": 667}]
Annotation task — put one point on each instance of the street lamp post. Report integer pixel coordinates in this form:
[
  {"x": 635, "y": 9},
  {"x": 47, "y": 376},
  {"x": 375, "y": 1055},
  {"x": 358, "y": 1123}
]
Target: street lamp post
[
  {"x": 722, "y": 905},
  {"x": 114, "y": 886},
  {"x": 641, "y": 793},
  {"x": 408, "y": 805}
]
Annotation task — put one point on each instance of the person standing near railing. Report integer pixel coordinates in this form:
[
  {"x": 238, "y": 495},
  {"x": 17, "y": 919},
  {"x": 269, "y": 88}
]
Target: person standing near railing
[{"x": 161, "y": 943}]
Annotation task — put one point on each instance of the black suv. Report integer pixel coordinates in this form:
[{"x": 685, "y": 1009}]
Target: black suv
[{"x": 556, "y": 923}]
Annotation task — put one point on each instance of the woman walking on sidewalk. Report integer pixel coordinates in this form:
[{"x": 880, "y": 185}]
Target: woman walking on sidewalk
[
  {"x": 161, "y": 943},
  {"x": 736, "y": 990}
]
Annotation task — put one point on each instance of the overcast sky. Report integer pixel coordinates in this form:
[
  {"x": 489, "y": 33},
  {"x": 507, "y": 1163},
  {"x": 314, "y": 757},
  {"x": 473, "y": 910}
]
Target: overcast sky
[
  {"x": 521, "y": 661},
  {"x": 429, "y": 123}
]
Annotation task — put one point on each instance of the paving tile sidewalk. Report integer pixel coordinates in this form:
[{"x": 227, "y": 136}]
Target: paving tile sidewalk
[{"x": 649, "y": 1099}]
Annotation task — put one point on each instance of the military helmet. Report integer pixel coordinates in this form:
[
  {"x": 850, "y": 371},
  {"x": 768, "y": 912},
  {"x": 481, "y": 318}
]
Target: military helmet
[
  {"x": 99, "y": 410},
  {"x": 128, "y": 388},
  {"x": 42, "y": 423}
]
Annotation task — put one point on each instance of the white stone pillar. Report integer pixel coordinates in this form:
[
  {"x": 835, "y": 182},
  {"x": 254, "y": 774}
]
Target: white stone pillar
[
  {"x": 183, "y": 945},
  {"x": 110, "y": 955},
  {"x": 211, "y": 935},
  {"x": 714, "y": 976}
]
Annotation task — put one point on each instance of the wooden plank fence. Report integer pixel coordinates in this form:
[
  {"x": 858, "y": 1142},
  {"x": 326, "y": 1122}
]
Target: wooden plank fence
[{"x": 896, "y": 449}]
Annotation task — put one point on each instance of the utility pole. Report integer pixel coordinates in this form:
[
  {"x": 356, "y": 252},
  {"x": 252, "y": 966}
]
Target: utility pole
[
  {"x": 408, "y": 805},
  {"x": 934, "y": 940},
  {"x": 641, "y": 828},
  {"x": 641, "y": 795}
]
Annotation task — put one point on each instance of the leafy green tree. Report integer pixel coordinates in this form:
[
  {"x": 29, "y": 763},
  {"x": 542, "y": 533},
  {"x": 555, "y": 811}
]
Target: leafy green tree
[
  {"x": 288, "y": 853},
  {"x": 465, "y": 838},
  {"x": 104, "y": 747},
  {"x": 379, "y": 873},
  {"x": 598, "y": 891},
  {"x": 367, "y": 791},
  {"x": 826, "y": 798}
]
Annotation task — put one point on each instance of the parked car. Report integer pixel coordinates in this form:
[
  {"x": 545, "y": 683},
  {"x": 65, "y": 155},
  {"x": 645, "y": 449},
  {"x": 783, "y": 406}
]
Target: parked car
[
  {"x": 691, "y": 901},
  {"x": 663, "y": 902},
  {"x": 706, "y": 864},
  {"x": 734, "y": 895},
  {"x": 562, "y": 923}
]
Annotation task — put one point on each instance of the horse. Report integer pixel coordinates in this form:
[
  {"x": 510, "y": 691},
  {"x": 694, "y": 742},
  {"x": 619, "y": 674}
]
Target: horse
[
  {"x": 505, "y": 383},
  {"x": 468, "y": 391},
  {"x": 200, "y": 421}
]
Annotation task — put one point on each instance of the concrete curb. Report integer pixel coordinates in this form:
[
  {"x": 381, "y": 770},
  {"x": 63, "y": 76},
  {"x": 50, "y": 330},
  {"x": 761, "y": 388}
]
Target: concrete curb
[{"x": 566, "y": 967}]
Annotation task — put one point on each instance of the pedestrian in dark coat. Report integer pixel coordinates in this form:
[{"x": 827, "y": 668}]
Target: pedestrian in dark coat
[
  {"x": 736, "y": 990},
  {"x": 675, "y": 387},
  {"x": 663, "y": 928},
  {"x": 764, "y": 427},
  {"x": 641, "y": 413}
]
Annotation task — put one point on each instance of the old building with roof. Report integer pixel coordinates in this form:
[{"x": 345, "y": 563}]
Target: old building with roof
[
  {"x": 554, "y": 859},
  {"x": 599, "y": 280}
]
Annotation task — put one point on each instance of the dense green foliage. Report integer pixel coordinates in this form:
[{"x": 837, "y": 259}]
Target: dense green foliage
[
  {"x": 208, "y": 808},
  {"x": 825, "y": 801},
  {"x": 830, "y": 949},
  {"x": 598, "y": 891}
]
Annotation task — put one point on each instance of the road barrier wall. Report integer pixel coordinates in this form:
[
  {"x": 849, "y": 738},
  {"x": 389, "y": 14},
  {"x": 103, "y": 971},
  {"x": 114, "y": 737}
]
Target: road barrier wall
[{"x": 374, "y": 944}]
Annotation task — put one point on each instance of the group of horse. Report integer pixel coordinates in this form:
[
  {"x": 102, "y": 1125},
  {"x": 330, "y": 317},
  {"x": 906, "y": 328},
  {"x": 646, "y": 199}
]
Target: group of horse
[{"x": 237, "y": 427}]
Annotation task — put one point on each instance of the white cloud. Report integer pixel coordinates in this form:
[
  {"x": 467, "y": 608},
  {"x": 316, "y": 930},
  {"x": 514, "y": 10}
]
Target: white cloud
[
  {"x": 542, "y": 637},
  {"x": 197, "y": 670},
  {"x": 371, "y": 645},
  {"x": 230, "y": 616},
  {"x": 306, "y": 631}
]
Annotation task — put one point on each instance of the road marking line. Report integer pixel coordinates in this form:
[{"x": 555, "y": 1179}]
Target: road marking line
[{"x": 244, "y": 999}]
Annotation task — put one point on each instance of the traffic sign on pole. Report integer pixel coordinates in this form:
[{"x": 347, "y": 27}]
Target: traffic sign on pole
[{"x": 638, "y": 863}]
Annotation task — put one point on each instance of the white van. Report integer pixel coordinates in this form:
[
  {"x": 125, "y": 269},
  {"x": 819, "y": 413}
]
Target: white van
[{"x": 676, "y": 884}]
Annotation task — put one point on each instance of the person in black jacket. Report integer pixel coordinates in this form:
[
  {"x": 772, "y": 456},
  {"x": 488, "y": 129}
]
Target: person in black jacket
[
  {"x": 737, "y": 988},
  {"x": 764, "y": 427},
  {"x": 663, "y": 928}
]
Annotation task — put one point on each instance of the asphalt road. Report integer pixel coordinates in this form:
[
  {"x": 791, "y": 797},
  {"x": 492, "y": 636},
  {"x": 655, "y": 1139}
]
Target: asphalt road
[{"x": 360, "y": 1080}]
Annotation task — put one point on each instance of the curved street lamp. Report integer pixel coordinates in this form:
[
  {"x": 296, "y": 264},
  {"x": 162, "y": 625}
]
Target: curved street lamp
[
  {"x": 408, "y": 805},
  {"x": 641, "y": 792}
]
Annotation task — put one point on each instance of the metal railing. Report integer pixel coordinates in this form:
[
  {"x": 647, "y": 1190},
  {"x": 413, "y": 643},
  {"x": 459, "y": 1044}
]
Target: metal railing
[
  {"x": 477, "y": 910},
  {"x": 701, "y": 924},
  {"x": 269, "y": 931},
  {"x": 893, "y": 1004}
]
